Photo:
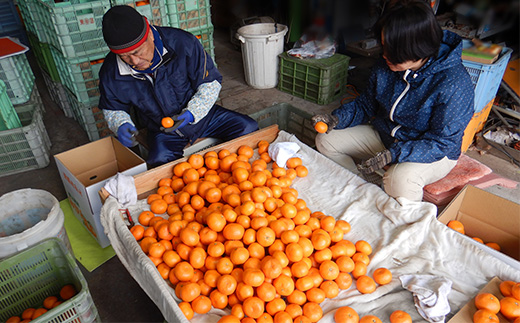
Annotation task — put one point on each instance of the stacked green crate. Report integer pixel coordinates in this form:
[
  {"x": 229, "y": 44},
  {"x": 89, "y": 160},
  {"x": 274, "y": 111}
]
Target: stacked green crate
[
  {"x": 317, "y": 80},
  {"x": 42, "y": 52},
  {"x": 18, "y": 77},
  {"x": 74, "y": 28},
  {"x": 27, "y": 146},
  {"x": 153, "y": 10},
  {"x": 8, "y": 117},
  {"x": 193, "y": 16}
]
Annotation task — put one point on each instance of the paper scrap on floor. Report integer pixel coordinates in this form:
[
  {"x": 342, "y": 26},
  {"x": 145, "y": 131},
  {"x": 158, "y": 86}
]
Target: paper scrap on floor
[
  {"x": 86, "y": 249},
  {"x": 405, "y": 236}
]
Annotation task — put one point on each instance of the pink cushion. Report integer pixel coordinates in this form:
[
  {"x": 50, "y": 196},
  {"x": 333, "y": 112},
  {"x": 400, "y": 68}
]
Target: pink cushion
[{"x": 466, "y": 170}]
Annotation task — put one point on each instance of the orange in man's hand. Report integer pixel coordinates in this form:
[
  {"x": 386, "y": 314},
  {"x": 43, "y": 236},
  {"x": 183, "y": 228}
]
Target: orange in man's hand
[
  {"x": 321, "y": 127},
  {"x": 167, "y": 122}
]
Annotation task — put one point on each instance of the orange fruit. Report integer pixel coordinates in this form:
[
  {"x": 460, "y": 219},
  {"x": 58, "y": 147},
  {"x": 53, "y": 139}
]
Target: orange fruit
[
  {"x": 400, "y": 317},
  {"x": 67, "y": 292},
  {"x": 312, "y": 311},
  {"x": 344, "y": 280},
  {"x": 167, "y": 122},
  {"x": 370, "y": 319},
  {"x": 365, "y": 284},
  {"x": 510, "y": 307},
  {"x": 364, "y": 247},
  {"x": 382, "y": 276},
  {"x": 179, "y": 168},
  {"x": 201, "y": 304},
  {"x": 158, "y": 206},
  {"x": 186, "y": 310},
  {"x": 145, "y": 217},
  {"x": 184, "y": 271},
  {"x": 245, "y": 150},
  {"x": 48, "y": 302},
  {"x": 493, "y": 245},
  {"x": 346, "y": 314},
  {"x": 506, "y": 287},
  {"x": 229, "y": 319},
  {"x": 330, "y": 288},
  {"x": 284, "y": 285},
  {"x": 196, "y": 161},
  {"x": 253, "y": 277},
  {"x": 329, "y": 270},
  {"x": 253, "y": 307},
  {"x": 226, "y": 284},
  {"x": 487, "y": 301},
  {"x": 294, "y": 310},
  {"x": 189, "y": 292},
  {"x": 293, "y": 162},
  {"x": 39, "y": 312},
  {"x": 137, "y": 231},
  {"x": 271, "y": 267},
  {"x": 515, "y": 291},
  {"x": 485, "y": 316},
  {"x": 14, "y": 319},
  {"x": 316, "y": 295},
  {"x": 457, "y": 226},
  {"x": 321, "y": 127},
  {"x": 28, "y": 313},
  {"x": 360, "y": 269},
  {"x": 266, "y": 292}
]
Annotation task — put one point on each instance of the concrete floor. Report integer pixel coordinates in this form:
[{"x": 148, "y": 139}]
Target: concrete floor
[{"x": 117, "y": 296}]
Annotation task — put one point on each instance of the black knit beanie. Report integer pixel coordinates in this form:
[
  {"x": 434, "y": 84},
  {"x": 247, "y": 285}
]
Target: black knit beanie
[{"x": 124, "y": 29}]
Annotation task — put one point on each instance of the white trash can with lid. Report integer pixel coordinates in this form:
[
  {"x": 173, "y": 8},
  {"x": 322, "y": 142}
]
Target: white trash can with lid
[
  {"x": 261, "y": 44},
  {"x": 28, "y": 216}
]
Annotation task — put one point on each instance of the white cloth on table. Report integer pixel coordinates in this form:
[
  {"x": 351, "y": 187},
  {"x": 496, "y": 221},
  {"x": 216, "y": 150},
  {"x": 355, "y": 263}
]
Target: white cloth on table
[
  {"x": 122, "y": 187},
  {"x": 281, "y": 152},
  {"x": 430, "y": 294}
]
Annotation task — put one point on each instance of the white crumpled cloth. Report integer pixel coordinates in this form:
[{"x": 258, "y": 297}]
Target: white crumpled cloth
[
  {"x": 430, "y": 295},
  {"x": 281, "y": 152},
  {"x": 122, "y": 187}
]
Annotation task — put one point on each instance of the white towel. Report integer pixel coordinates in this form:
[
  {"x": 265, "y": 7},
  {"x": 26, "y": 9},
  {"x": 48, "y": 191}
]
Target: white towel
[
  {"x": 280, "y": 152},
  {"x": 122, "y": 187},
  {"x": 430, "y": 294}
]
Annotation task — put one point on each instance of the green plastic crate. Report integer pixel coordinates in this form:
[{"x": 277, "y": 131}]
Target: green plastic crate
[
  {"x": 153, "y": 10},
  {"x": 27, "y": 147},
  {"x": 74, "y": 28},
  {"x": 205, "y": 36},
  {"x": 18, "y": 77},
  {"x": 317, "y": 80},
  {"x": 89, "y": 116},
  {"x": 30, "y": 276},
  {"x": 58, "y": 95},
  {"x": 42, "y": 52},
  {"x": 8, "y": 117},
  {"x": 31, "y": 19},
  {"x": 80, "y": 75},
  {"x": 189, "y": 14},
  {"x": 289, "y": 119}
]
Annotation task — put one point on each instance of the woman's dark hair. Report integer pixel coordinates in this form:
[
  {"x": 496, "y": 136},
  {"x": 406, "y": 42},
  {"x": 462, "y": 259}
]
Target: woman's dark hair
[{"x": 409, "y": 31}]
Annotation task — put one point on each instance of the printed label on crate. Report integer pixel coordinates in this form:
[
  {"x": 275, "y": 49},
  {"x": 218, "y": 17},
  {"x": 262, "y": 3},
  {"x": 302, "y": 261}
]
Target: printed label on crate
[{"x": 86, "y": 22}]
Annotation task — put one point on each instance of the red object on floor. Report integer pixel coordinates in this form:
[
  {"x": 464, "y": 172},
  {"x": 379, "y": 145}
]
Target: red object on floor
[{"x": 467, "y": 171}]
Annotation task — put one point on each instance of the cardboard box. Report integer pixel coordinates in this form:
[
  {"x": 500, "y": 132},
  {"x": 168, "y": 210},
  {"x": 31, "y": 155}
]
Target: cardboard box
[
  {"x": 466, "y": 312},
  {"x": 489, "y": 217},
  {"x": 84, "y": 171}
]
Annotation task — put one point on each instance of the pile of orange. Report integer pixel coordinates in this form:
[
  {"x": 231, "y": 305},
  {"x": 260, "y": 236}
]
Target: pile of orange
[
  {"x": 488, "y": 305},
  {"x": 459, "y": 227},
  {"x": 31, "y": 313},
  {"x": 227, "y": 231}
]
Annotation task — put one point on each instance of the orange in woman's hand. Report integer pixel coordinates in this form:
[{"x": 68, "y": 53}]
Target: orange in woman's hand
[
  {"x": 167, "y": 122},
  {"x": 321, "y": 127}
]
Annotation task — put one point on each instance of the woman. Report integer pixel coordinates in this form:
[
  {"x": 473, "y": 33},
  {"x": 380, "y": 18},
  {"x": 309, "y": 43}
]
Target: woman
[{"x": 411, "y": 118}]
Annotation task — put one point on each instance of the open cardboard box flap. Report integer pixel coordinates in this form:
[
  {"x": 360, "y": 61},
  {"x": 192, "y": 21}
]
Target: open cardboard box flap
[{"x": 489, "y": 217}]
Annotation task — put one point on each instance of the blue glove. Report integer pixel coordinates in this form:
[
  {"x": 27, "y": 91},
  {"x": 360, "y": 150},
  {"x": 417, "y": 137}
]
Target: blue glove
[
  {"x": 179, "y": 121},
  {"x": 126, "y": 134}
]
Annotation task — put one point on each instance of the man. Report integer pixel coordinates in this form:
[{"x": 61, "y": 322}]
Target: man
[{"x": 162, "y": 72}]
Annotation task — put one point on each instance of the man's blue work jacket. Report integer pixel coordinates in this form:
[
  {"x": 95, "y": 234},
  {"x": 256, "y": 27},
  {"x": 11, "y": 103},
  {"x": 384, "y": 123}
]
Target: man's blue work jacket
[
  {"x": 184, "y": 68},
  {"x": 420, "y": 115}
]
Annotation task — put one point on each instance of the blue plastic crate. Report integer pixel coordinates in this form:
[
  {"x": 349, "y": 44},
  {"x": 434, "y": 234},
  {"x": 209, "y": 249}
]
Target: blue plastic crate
[
  {"x": 189, "y": 14},
  {"x": 9, "y": 18},
  {"x": 486, "y": 78},
  {"x": 18, "y": 33}
]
